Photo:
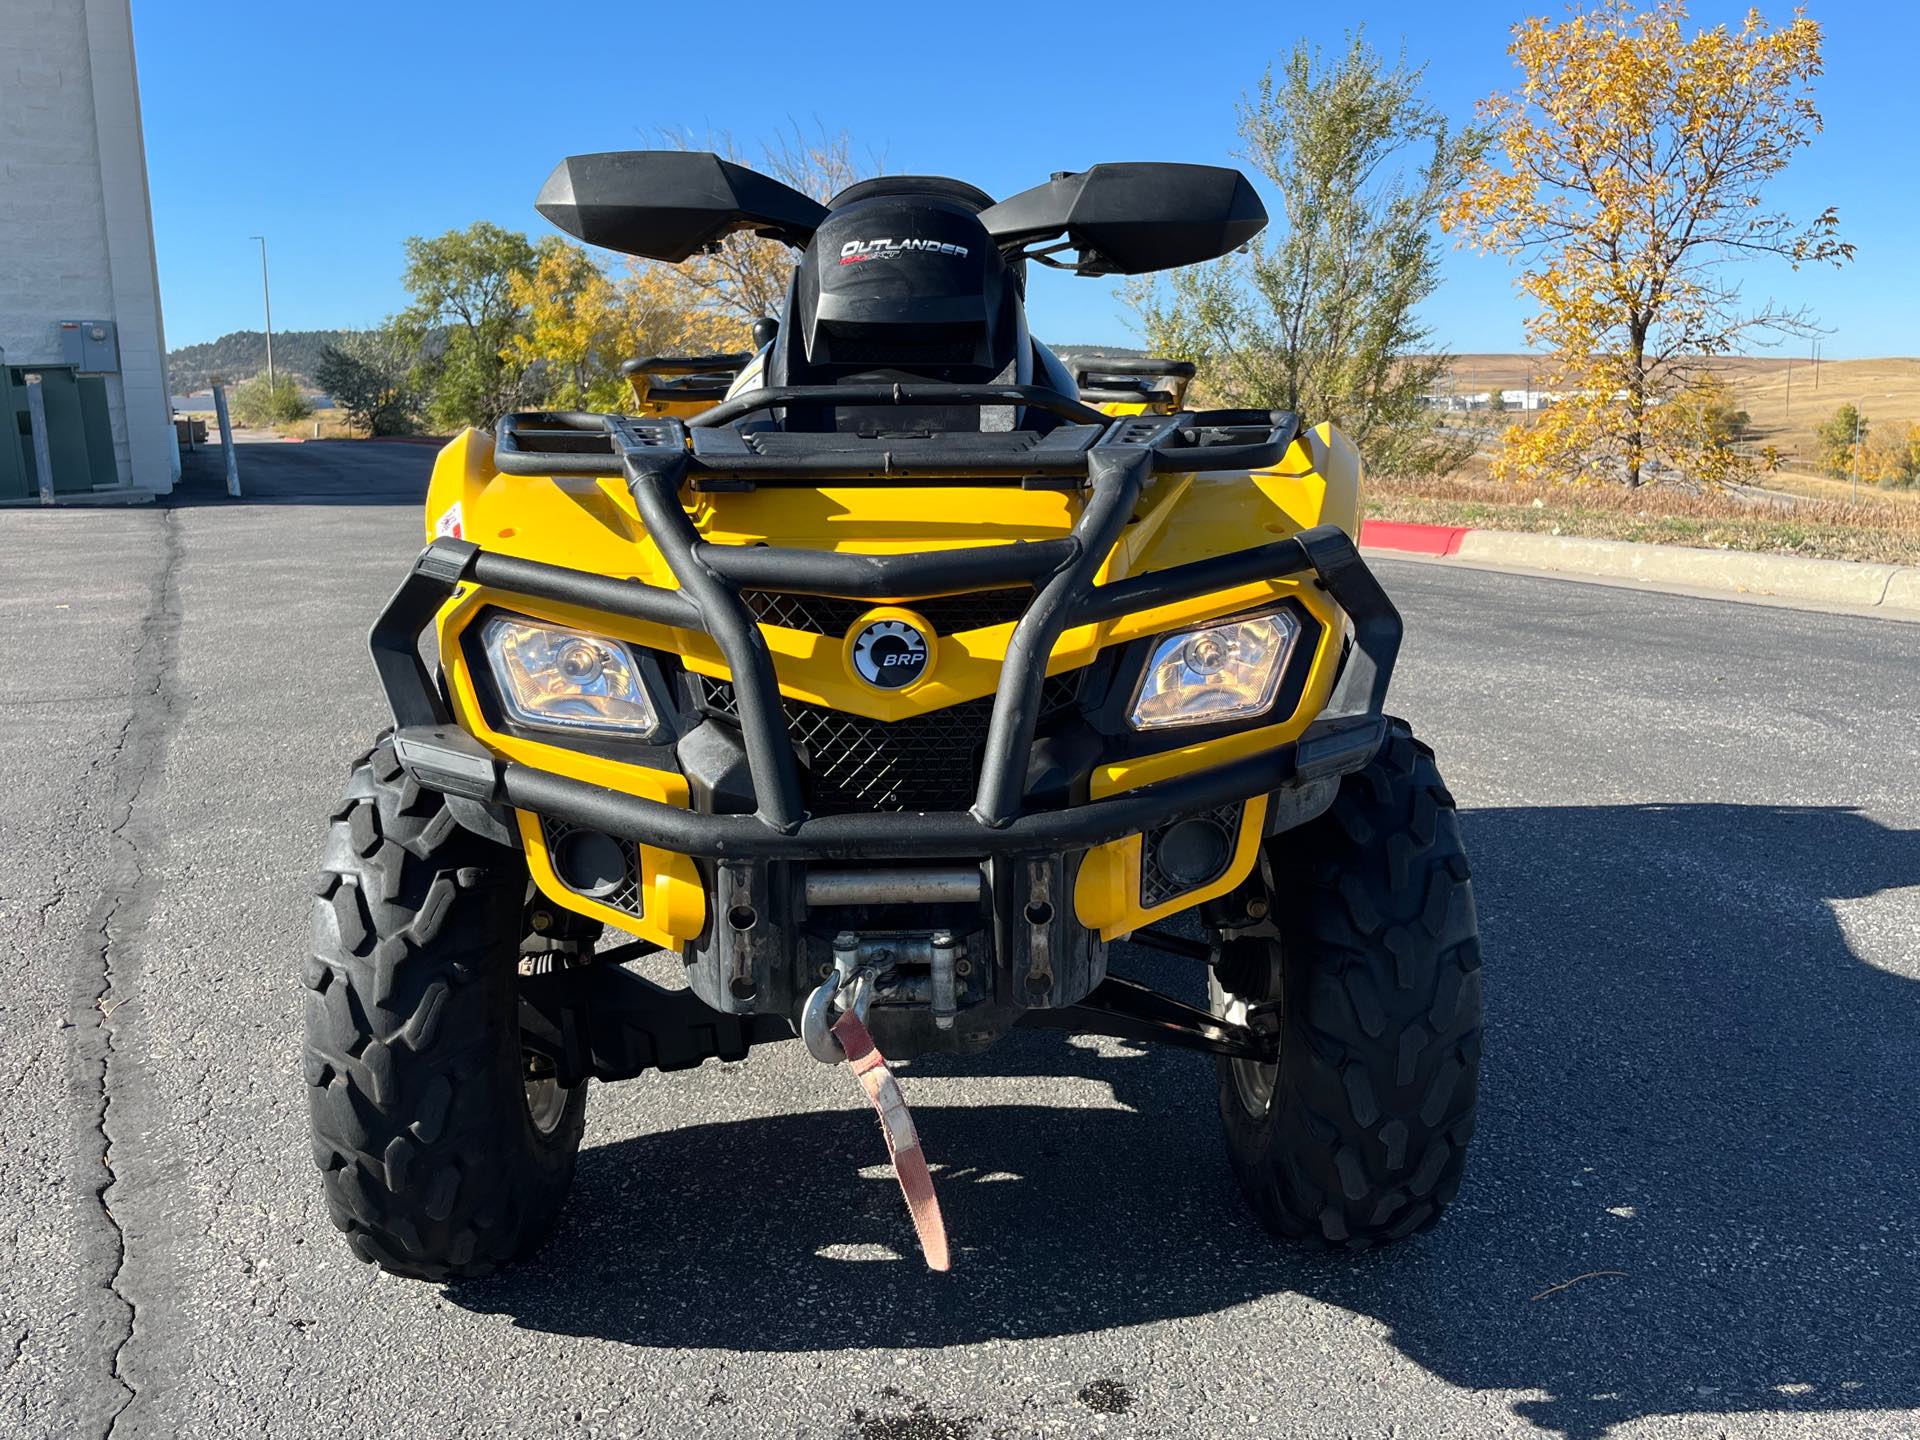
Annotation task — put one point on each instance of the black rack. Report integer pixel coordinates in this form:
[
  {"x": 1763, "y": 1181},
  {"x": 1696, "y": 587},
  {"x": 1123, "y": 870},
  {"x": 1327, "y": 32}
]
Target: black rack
[
  {"x": 1128, "y": 380},
  {"x": 680, "y": 379},
  {"x": 720, "y": 449}
]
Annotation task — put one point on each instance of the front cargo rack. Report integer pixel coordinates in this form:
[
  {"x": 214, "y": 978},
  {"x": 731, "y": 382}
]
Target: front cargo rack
[{"x": 724, "y": 453}]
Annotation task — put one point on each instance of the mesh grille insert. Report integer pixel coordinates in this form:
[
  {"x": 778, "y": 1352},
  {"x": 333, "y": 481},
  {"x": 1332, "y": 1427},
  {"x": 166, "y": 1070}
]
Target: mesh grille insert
[
  {"x": 856, "y": 765},
  {"x": 926, "y": 762},
  {"x": 627, "y": 898},
  {"x": 1156, "y": 886},
  {"x": 828, "y": 615}
]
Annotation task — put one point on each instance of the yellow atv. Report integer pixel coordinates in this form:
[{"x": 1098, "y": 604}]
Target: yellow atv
[{"x": 891, "y": 674}]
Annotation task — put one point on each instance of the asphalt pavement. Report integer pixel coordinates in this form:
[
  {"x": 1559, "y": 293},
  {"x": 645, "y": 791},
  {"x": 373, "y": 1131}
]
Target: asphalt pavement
[{"x": 1697, "y": 856}]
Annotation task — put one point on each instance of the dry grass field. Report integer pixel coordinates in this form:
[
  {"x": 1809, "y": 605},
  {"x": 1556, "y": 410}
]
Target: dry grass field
[
  {"x": 1655, "y": 514},
  {"x": 1785, "y": 397},
  {"x": 331, "y": 425},
  {"x": 1795, "y": 510}
]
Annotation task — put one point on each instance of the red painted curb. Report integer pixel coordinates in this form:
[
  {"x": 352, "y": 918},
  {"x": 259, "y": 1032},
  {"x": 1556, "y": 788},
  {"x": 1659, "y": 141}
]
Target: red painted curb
[{"x": 1419, "y": 539}]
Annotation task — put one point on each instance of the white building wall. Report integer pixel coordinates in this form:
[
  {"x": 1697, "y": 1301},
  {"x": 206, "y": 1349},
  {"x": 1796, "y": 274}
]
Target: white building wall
[{"x": 76, "y": 226}]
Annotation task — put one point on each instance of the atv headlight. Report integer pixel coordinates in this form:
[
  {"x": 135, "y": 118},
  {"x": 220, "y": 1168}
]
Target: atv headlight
[
  {"x": 1229, "y": 671},
  {"x": 562, "y": 680}
]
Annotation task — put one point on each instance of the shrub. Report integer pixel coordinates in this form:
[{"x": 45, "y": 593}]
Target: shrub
[{"x": 259, "y": 405}]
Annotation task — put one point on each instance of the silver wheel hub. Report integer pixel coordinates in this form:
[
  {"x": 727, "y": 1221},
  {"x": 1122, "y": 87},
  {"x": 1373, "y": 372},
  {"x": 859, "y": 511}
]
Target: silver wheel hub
[
  {"x": 546, "y": 1102},
  {"x": 1253, "y": 1081}
]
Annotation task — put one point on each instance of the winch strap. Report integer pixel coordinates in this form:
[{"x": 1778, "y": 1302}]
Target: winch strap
[{"x": 903, "y": 1141}]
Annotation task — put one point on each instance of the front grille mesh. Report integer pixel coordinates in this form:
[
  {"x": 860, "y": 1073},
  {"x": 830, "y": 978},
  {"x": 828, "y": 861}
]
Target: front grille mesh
[
  {"x": 927, "y": 762},
  {"x": 828, "y": 615},
  {"x": 856, "y": 765}
]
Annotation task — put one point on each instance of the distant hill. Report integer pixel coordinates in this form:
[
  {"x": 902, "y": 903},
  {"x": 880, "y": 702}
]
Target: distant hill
[
  {"x": 243, "y": 354},
  {"x": 1112, "y": 352}
]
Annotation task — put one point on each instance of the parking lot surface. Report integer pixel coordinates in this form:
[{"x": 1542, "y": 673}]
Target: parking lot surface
[{"x": 1697, "y": 856}]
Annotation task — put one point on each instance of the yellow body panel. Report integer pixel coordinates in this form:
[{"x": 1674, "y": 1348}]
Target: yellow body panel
[
  {"x": 673, "y": 901},
  {"x": 1106, "y": 897},
  {"x": 591, "y": 524}
]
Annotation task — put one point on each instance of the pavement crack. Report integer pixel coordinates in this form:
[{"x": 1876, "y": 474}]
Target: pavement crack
[{"x": 134, "y": 832}]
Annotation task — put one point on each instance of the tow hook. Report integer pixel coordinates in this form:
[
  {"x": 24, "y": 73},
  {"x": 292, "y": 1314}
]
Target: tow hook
[
  {"x": 849, "y": 987},
  {"x": 833, "y": 1025},
  {"x": 864, "y": 968}
]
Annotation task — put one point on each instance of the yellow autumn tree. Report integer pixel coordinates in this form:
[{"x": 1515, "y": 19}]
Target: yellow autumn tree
[
  {"x": 582, "y": 322},
  {"x": 1627, "y": 174},
  {"x": 1887, "y": 454}
]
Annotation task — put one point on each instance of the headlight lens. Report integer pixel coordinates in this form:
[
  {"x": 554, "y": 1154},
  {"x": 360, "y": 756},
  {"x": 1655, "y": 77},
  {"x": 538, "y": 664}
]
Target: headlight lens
[
  {"x": 563, "y": 680},
  {"x": 1229, "y": 671}
]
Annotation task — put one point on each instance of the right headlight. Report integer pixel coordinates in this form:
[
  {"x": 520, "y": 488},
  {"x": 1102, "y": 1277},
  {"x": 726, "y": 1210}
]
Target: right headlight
[
  {"x": 554, "y": 679},
  {"x": 1227, "y": 671}
]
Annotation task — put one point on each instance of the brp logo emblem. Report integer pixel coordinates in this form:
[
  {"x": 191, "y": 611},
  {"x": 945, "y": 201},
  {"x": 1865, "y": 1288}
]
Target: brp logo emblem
[{"x": 890, "y": 654}]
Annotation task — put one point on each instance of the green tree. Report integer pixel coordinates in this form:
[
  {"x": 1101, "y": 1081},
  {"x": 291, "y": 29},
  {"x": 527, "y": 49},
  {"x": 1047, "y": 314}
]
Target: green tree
[
  {"x": 258, "y": 405},
  {"x": 370, "y": 375},
  {"x": 1323, "y": 320},
  {"x": 1837, "y": 436},
  {"x": 463, "y": 280}
]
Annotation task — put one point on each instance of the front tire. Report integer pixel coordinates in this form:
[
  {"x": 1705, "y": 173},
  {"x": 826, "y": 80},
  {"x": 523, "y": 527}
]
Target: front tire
[
  {"x": 440, "y": 1155},
  {"x": 1359, "y": 1134}
]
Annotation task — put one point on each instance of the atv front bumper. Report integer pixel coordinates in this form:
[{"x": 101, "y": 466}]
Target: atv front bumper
[{"x": 779, "y": 882}]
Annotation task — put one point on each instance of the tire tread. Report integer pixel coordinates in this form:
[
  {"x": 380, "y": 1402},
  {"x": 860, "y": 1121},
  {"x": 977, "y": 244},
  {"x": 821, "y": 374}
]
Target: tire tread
[
  {"x": 429, "y": 1162},
  {"x": 1366, "y": 1139}
]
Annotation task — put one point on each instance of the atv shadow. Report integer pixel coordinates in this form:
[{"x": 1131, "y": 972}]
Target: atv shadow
[{"x": 1690, "y": 1078}]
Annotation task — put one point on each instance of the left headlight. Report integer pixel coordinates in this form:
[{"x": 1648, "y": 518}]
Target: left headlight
[
  {"x": 1228, "y": 671},
  {"x": 552, "y": 679}
]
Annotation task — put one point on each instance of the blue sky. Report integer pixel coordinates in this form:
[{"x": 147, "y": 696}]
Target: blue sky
[{"x": 340, "y": 130}]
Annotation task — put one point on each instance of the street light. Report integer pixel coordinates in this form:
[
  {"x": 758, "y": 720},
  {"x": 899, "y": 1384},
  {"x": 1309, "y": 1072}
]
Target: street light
[{"x": 267, "y": 296}]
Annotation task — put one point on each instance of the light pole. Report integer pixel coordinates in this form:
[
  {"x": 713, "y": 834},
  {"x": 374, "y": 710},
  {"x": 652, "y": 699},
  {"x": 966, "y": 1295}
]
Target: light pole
[{"x": 266, "y": 295}]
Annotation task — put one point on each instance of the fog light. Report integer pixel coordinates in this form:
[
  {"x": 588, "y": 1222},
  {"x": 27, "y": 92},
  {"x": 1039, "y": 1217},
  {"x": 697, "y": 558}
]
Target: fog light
[
  {"x": 1193, "y": 852},
  {"x": 1189, "y": 853},
  {"x": 590, "y": 863}
]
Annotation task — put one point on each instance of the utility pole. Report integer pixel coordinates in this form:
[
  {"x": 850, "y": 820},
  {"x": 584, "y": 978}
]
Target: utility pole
[
  {"x": 266, "y": 295},
  {"x": 1858, "y": 421},
  {"x": 1789, "y": 386}
]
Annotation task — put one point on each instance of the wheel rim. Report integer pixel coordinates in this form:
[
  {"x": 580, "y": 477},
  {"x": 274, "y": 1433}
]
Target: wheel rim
[
  {"x": 546, "y": 1102},
  {"x": 546, "y": 1096},
  {"x": 1253, "y": 1082}
]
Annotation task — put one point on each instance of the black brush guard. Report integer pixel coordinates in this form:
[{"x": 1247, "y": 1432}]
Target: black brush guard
[{"x": 1114, "y": 466}]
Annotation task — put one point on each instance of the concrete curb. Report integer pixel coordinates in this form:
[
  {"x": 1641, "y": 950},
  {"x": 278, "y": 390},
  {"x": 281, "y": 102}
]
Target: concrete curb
[{"x": 1736, "y": 572}]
